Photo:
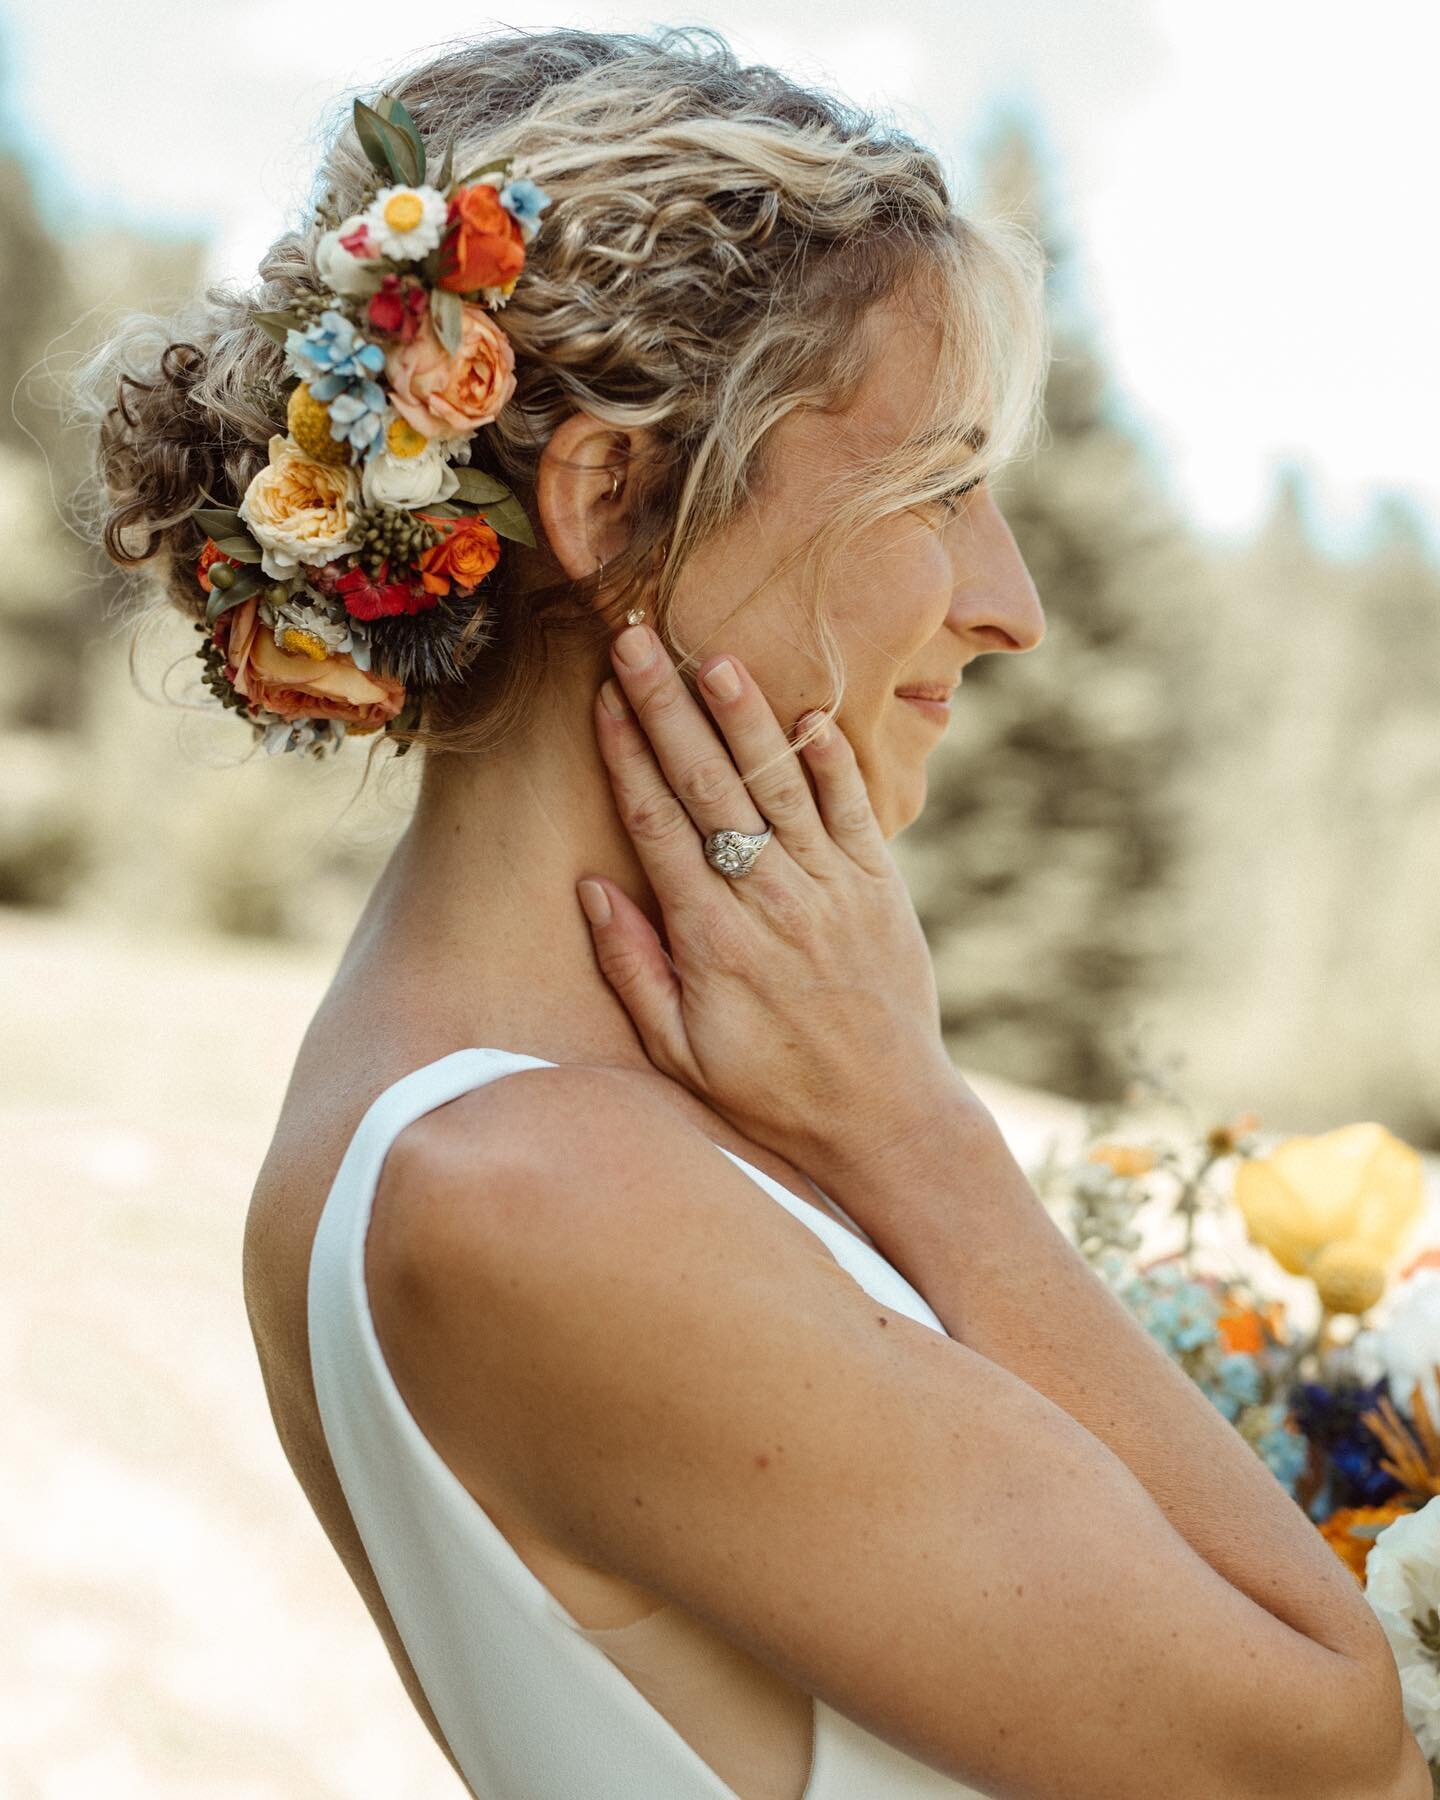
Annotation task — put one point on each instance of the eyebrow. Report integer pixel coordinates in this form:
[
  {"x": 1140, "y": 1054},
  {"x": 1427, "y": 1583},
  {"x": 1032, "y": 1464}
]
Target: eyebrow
[{"x": 977, "y": 438}]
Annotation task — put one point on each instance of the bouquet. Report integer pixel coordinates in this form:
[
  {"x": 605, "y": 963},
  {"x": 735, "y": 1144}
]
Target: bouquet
[{"x": 1343, "y": 1411}]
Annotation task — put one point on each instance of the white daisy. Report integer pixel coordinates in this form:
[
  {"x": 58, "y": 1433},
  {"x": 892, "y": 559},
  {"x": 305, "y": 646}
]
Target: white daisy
[
  {"x": 1402, "y": 1584},
  {"x": 407, "y": 222}
]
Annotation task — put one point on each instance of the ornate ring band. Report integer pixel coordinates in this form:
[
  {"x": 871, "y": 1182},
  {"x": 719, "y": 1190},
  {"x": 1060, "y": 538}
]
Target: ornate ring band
[{"x": 733, "y": 853}]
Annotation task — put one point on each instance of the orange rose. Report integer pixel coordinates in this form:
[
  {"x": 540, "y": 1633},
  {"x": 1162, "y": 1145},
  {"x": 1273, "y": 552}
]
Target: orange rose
[
  {"x": 484, "y": 246},
  {"x": 465, "y": 555},
  {"x": 452, "y": 396},
  {"x": 294, "y": 686}
]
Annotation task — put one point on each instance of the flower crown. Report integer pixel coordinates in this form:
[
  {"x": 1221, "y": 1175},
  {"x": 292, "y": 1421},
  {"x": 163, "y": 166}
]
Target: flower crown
[{"x": 347, "y": 579}]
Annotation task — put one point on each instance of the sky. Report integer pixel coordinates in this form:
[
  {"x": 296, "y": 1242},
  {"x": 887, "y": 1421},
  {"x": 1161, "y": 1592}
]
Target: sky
[{"x": 1246, "y": 187}]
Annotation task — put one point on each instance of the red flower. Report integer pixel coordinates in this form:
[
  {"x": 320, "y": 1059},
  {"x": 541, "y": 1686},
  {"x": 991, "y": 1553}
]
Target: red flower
[
  {"x": 484, "y": 246},
  {"x": 382, "y": 599},
  {"x": 398, "y": 307}
]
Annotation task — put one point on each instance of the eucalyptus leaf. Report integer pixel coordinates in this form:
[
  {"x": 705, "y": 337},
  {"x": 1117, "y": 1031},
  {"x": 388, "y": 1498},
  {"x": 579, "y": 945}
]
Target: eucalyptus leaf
[
  {"x": 448, "y": 319},
  {"x": 442, "y": 509},
  {"x": 447, "y": 164},
  {"x": 477, "y": 486},
  {"x": 246, "y": 583},
  {"x": 395, "y": 113},
  {"x": 241, "y": 549},
  {"x": 276, "y": 324},
  {"x": 387, "y": 146},
  {"x": 218, "y": 521},
  {"x": 507, "y": 518},
  {"x": 490, "y": 168}
]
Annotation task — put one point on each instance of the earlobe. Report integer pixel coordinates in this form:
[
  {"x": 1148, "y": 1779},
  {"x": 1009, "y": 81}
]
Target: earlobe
[{"x": 579, "y": 493}]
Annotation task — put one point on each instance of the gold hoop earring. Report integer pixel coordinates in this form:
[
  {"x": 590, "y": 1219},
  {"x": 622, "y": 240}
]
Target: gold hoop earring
[{"x": 614, "y": 483}]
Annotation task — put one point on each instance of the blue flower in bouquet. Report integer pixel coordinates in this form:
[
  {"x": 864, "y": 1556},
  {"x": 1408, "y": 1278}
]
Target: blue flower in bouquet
[
  {"x": 339, "y": 366},
  {"x": 1179, "y": 1313},
  {"x": 1330, "y": 1417},
  {"x": 1234, "y": 1383},
  {"x": 1284, "y": 1452}
]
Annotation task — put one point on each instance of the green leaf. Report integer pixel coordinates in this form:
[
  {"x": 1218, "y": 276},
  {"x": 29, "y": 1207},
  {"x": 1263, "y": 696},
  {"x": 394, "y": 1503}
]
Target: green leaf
[
  {"x": 246, "y": 583},
  {"x": 448, "y": 319},
  {"x": 276, "y": 324},
  {"x": 442, "y": 509},
  {"x": 218, "y": 521},
  {"x": 490, "y": 168},
  {"x": 241, "y": 549},
  {"x": 508, "y": 519},
  {"x": 447, "y": 165},
  {"x": 387, "y": 146},
  {"x": 391, "y": 110},
  {"x": 477, "y": 486}
]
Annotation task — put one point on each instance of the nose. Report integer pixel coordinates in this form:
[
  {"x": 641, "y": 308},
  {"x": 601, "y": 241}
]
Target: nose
[{"x": 998, "y": 602}]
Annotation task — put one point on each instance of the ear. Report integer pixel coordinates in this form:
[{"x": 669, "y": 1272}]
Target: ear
[{"x": 584, "y": 489}]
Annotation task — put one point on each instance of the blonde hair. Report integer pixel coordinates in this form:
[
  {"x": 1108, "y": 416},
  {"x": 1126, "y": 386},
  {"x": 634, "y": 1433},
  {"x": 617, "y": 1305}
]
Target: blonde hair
[{"x": 716, "y": 240}]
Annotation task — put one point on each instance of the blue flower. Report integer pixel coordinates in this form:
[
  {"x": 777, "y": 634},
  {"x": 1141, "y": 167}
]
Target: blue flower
[
  {"x": 1236, "y": 1383},
  {"x": 1178, "y": 1313},
  {"x": 339, "y": 367},
  {"x": 524, "y": 202}
]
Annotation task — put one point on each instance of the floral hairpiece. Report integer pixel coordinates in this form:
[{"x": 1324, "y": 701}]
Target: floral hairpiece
[{"x": 346, "y": 581}]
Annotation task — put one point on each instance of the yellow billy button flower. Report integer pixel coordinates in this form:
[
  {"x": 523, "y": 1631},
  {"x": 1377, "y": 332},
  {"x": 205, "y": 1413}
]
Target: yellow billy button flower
[
  {"x": 309, "y": 423},
  {"x": 1349, "y": 1277},
  {"x": 402, "y": 439},
  {"x": 300, "y": 642}
]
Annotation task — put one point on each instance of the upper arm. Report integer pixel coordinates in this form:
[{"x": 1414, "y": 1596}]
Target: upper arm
[{"x": 674, "y": 1380}]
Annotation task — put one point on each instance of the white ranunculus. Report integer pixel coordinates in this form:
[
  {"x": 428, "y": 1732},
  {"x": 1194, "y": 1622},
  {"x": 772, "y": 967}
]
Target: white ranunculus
[
  {"x": 409, "y": 481},
  {"x": 356, "y": 277},
  {"x": 1402, "y": 1584},
  {"x": 1406, "y": 1347}
]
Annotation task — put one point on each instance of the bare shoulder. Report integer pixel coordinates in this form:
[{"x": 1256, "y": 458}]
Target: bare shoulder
[{"x": 672, "y": 1378}]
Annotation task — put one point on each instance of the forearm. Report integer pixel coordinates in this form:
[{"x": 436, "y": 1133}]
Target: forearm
[{"x": 954, "y": 1212}]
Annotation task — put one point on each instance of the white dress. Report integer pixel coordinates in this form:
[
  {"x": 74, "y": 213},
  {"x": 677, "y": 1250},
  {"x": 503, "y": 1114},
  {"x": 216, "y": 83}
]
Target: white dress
[{"x": 530, "y": 1704}]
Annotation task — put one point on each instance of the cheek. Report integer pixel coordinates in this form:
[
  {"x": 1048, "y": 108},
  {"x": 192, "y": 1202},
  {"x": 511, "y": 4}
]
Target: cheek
[{"x": 892, "y": 604}]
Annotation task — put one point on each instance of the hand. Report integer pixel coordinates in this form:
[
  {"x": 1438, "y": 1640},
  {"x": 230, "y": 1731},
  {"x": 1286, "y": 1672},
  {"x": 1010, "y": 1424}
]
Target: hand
[{"x": 799, "y": 999}]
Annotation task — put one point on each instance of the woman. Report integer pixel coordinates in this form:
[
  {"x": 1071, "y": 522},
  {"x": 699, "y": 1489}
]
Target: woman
[{"x": 822, "y": 1465}]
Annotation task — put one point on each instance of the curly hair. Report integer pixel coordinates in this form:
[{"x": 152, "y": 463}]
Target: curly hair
[{"x": 717, "y": 237}]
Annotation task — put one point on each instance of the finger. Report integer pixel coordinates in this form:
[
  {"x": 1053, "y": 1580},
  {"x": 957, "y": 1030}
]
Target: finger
[
  {"x": 666, "y": 841},
  {"x": 768, "y": 762},
  {"x": 694, "y": 761},
  {"x": 840, "y": 792},
  {"x": 633, "y": 960}
]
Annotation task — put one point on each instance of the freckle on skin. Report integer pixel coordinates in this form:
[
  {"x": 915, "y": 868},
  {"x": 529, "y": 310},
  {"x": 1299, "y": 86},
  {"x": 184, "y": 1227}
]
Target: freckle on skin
[
  {"x": 639, "y": 1501},
  {"x": 883, "y": 1319},
  {"x": 762, "y": 1461}
]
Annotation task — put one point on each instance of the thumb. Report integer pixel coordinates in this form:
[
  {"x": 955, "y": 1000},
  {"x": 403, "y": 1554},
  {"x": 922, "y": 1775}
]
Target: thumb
[{"x": 633, "y": 960}]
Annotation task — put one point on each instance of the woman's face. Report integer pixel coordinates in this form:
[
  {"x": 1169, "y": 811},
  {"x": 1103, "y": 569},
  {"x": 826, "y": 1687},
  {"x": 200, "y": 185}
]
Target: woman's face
[{"x": 921, "y": 593}]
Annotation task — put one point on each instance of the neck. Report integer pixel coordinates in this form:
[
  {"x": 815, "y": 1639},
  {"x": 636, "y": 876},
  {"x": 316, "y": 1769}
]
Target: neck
[{"x": 473, "y": 932}]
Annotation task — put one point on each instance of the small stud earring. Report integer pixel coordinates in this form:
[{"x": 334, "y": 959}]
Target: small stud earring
[{"x": 635, "y": 615}]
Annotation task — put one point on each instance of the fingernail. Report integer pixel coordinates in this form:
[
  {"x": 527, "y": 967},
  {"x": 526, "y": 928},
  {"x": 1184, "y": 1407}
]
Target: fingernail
[
  {"x": 633, "y": 647},
  {"x": 596, "y": 902},
  {"x": 722, "y": 680},
  {"x": 612, "y": 699}
]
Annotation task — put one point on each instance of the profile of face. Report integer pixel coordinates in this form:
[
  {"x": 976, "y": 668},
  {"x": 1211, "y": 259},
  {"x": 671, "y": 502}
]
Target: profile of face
[{"x": 919, "y": 595}]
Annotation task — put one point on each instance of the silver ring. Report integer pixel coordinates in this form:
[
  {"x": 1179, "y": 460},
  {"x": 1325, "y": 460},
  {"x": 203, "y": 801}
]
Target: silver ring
[{"x": 733, "y": 853}]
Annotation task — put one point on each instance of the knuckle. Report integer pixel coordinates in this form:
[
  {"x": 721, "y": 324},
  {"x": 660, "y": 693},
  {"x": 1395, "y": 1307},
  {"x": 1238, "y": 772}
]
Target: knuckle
[
  {"x": 786, "y": 791},
  {"x": 787, "y": 912},
  {"x": 656, "y": 816},
  {"x": 664, "y": 701},
  {"x": 707, "y": 782}
]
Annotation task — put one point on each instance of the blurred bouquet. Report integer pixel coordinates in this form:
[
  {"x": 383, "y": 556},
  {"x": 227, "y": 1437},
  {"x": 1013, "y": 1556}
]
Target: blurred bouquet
[{"x": 1343, "y": 1412}]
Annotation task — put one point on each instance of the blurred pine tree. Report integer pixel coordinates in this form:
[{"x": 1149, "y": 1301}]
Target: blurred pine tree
[{"x": 1042, "y": 865}]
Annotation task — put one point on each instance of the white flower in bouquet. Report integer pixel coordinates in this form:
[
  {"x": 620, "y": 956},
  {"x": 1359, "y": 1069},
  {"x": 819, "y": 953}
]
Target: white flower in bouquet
[
  {"x": 1402, "y": 1584},
  {"x": 1406, "y": 1347}
]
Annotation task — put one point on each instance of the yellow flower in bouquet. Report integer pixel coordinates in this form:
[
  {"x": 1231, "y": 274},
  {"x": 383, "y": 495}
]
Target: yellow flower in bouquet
[{"x": 1337, "y": 1208}]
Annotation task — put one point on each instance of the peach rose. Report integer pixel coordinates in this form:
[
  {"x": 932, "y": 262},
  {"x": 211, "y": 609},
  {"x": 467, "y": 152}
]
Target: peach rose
[
  {"x": 484, "y": 246},
  {"x": 294, "y": 686},
  {"x": 445, "y": 396},
  {"x": 299, "y": 510},
  {"x": 465, "y": 555}
]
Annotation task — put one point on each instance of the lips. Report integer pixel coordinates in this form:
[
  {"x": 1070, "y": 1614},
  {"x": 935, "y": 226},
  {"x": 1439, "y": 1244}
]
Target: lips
[{"x": 928, "y": 690}]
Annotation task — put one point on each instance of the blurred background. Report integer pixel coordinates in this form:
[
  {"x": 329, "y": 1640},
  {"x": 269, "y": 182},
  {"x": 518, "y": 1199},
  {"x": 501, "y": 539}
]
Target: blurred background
[{"x": 1199, "y": 831}]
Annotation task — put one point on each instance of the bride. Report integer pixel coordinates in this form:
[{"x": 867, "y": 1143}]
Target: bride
[{"x": 683, "y": 1370}]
